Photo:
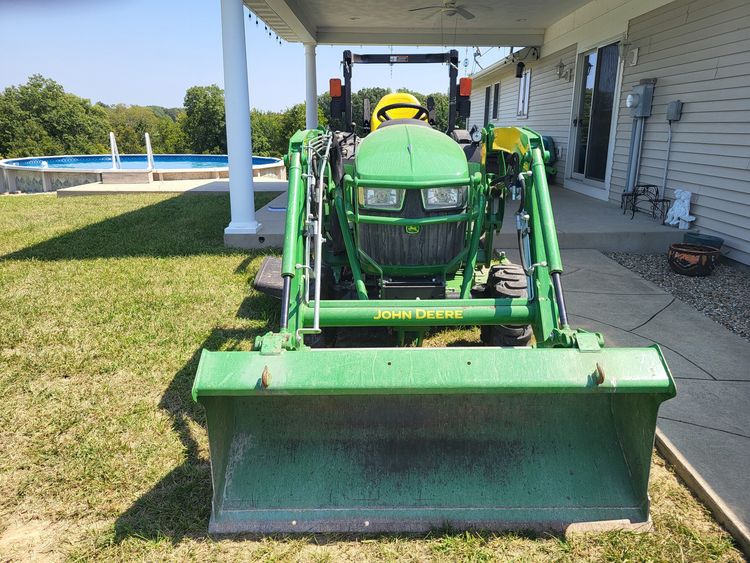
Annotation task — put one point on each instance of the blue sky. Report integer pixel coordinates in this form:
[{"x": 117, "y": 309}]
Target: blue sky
[{"x": 151, "y": 51}]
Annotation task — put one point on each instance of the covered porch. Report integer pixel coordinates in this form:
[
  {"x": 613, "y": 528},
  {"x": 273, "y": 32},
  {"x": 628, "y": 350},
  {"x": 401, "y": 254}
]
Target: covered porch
[{"x": 541, "y": 25}]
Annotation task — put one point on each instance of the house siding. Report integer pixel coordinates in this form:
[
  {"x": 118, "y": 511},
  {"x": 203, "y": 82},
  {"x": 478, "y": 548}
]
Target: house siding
[
  {"x": 699, "y": 53},
  {"x": 550, "y": 100},
  {"x": 477, "y": 108}
]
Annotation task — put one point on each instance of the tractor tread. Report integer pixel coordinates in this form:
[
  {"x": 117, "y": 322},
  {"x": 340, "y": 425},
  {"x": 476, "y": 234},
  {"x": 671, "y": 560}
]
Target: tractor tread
[{"x": 505, "y": 280}]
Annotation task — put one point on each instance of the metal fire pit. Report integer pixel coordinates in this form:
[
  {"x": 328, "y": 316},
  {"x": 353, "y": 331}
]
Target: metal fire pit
[{"x": 693, "y": 259}]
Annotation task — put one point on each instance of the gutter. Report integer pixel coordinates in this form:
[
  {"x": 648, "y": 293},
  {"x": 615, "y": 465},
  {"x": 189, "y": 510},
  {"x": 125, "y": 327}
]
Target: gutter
[{"x": 513, "y": 58}]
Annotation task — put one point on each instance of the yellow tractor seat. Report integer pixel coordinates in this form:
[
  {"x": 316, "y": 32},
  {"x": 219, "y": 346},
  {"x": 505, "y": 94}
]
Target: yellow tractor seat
[{"x": 397, "y": 113}]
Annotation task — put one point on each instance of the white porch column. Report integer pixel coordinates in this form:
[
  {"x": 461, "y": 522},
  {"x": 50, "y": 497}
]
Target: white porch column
[
  {"x": 237, "y": 105},
  {"x": 311, "y": 88}
]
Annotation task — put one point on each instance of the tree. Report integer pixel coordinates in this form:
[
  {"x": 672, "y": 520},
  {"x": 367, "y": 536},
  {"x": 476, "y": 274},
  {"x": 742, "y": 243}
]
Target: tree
[
  {"x": 40, "y": 118},
  {"x": 271, "y": 131},
  {"x": 294, "y": 119},
  {"x": 204, "y": 124},
  {"x": 171, "y": 136},
  {"x": 129, "y": 124},
  {"x": 266, "y": 132}
]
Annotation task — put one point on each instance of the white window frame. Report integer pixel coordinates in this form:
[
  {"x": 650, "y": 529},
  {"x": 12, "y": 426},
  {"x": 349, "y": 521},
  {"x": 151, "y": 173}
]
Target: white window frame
[{"x": 524, "y": 91}]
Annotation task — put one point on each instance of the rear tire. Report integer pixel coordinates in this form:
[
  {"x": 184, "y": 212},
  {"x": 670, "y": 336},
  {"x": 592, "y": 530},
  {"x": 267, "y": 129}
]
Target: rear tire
[{"x": 509, "y": 281}]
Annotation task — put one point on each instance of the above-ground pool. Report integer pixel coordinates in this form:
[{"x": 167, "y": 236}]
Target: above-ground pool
[{"x": 50, "y": 173}]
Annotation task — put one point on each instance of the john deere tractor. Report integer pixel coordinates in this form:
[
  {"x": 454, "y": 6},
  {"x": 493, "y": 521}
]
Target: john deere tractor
[{"x": 540, "y": 427}]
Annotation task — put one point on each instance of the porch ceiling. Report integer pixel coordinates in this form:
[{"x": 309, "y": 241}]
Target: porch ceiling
[{"x": 389, "y": 22}]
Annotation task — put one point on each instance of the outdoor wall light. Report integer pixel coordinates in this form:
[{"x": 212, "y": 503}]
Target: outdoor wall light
[
  {"x": 560, "y": 68},
  {"x": 519, "y": 69},
  {"x": 623, "y": 48}
]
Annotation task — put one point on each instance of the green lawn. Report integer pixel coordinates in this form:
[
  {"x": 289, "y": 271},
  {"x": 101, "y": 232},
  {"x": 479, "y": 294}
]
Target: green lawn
[{"x": 105, "y": 303}]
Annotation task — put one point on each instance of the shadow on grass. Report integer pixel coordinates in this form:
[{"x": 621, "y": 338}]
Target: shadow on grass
[
  {"x": 177, "y": 226},
  {"x": 180, "y": 504}
]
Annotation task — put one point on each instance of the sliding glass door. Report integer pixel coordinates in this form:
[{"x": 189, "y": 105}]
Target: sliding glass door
[{"x": 592, "y": 121}]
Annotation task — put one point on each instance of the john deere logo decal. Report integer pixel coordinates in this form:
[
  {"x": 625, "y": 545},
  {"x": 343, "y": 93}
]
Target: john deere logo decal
[{"x": 412, "y": 229}]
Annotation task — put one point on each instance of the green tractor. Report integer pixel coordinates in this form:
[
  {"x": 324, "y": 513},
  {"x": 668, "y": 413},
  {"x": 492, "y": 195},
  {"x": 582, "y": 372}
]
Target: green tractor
[{"x": 541, "y": 427}]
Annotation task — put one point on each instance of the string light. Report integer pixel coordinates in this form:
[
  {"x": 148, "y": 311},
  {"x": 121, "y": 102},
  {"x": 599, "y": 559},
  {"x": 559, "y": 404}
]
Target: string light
[{"x": 270, "y": 32}]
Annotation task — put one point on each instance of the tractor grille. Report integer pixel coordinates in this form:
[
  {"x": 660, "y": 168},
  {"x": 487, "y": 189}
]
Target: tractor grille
[{"x": 391, "y": 245}]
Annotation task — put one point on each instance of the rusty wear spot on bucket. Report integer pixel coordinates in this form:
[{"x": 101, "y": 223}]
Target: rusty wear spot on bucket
[
  {"x": 265, "y": 378},
  {"x": 599, "y": 374}
]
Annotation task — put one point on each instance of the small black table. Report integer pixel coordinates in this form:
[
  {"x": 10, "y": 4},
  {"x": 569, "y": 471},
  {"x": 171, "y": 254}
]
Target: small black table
[{"x": 645, "y": 198}]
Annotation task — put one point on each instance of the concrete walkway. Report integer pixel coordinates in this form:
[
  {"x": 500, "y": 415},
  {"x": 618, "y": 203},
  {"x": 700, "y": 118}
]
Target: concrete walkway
[
  {"x": 705, "y": 431},
  {"x": 170, "y": 187}
]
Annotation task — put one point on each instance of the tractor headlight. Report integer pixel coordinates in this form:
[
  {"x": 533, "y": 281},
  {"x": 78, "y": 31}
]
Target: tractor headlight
[
  {"x": 444, "y": 198},
  {"x": 389, "y": 199}
]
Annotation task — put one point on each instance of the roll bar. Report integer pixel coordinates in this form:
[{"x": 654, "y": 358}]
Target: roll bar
[{"x": 458, "y": 105}]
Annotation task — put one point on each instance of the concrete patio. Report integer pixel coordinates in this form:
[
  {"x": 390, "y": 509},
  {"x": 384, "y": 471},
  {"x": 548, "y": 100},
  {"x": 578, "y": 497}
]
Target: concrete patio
[
  {"x": 582, "y": 222},
  {"x": 170, "y": 187},
  {"x": 705, "y": 431}
]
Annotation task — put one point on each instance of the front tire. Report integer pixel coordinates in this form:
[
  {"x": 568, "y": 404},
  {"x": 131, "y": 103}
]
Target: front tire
[{"x": 507, "y": 281}]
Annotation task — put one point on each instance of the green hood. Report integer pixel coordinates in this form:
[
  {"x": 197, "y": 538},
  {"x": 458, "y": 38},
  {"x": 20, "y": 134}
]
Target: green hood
[{"x": 410, "y": 153}]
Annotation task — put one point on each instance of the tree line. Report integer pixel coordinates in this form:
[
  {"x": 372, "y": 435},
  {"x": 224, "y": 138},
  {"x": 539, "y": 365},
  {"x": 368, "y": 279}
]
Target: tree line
[{"x": 41, "y": 118}]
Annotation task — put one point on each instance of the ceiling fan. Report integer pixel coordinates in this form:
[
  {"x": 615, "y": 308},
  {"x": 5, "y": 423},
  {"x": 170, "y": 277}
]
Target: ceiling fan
[{"x": 448, "y": 8}]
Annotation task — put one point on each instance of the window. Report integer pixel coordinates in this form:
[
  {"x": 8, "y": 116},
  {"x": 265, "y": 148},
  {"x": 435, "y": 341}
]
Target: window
[
  {"x": 486, "y": 106},
  {"x": 524, "y": 85},
  {"x": 495, "y": 100}
]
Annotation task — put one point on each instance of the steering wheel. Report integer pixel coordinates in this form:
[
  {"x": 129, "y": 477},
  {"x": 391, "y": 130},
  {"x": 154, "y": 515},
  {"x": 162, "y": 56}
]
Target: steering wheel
[{"x": 420, "y": 111}]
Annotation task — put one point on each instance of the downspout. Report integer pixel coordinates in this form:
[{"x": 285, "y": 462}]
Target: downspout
[{"x": 666, "y": 160}]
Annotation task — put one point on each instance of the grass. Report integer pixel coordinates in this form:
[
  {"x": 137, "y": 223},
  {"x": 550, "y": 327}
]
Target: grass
[{"x": 104, "y": 305}]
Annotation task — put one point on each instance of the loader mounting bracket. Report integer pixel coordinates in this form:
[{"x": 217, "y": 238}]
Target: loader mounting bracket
[
  {"x": 568, "y": 338},
  {"x": 271, "y": 343}
]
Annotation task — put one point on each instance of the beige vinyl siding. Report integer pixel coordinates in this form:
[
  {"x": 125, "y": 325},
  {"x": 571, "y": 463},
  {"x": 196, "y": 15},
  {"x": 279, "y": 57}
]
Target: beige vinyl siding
[
  {"x": 477, "y": 107},
  {"x": 699, "y": 52},
  {"x": 550, "y": 100}
]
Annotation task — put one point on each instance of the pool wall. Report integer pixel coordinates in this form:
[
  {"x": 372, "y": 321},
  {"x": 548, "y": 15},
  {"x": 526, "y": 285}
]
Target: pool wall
[{"x": 24, "y": 179}]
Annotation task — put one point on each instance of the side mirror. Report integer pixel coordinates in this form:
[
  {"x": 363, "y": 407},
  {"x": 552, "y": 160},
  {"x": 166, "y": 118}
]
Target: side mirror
[
  {"x": 431, "y": 114},
  {"x": 366, "y": 112}
]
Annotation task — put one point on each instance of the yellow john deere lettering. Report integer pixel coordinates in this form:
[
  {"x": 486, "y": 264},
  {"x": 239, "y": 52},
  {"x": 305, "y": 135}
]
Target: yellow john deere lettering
[{"x": 408, "y": 314}]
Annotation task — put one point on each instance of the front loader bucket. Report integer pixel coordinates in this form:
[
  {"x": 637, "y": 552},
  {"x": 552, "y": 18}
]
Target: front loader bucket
[{"x": 409, "y": 439}]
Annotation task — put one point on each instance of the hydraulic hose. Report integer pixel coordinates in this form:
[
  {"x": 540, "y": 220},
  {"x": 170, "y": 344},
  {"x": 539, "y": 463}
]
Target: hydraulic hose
[
  {"x": 562, "y": 311},
  {"x": 521, "y": 211},
  {"x": 291, "y": 234},
  {"x": 318, "y": 232},
  {"x": 284, "y": 321}
]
